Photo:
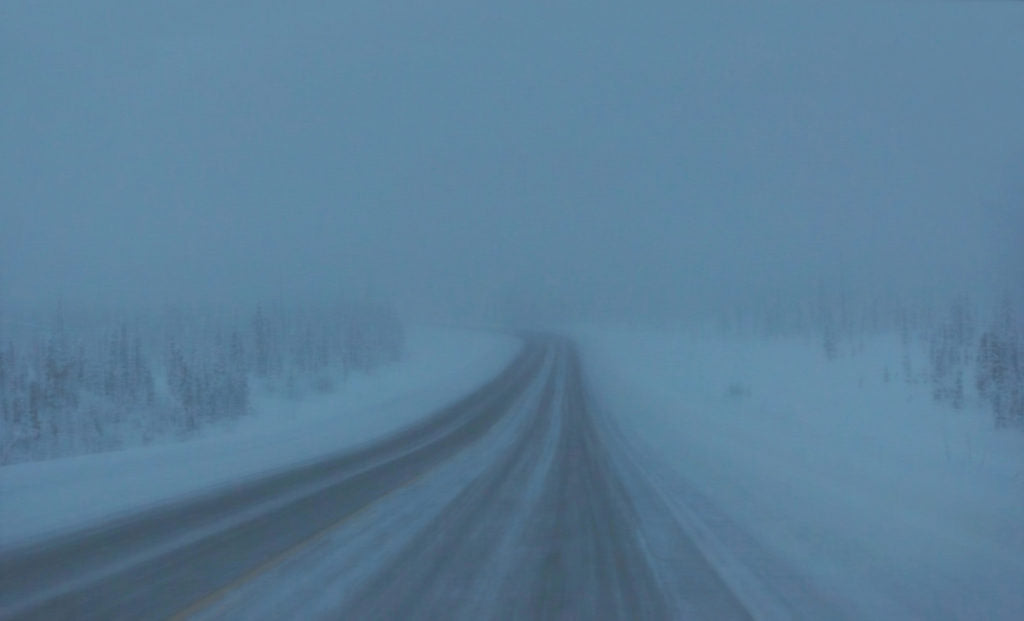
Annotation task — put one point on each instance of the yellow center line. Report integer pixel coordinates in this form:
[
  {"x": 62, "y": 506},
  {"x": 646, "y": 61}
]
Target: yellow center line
[{"x": 208, "y": 600}]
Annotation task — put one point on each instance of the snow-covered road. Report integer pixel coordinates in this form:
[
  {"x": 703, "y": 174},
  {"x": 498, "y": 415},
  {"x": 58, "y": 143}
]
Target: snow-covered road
[
  {"x": 514, "y": 503},
  {"x": 537, "y": 520},
  {"x": 637, "y": 477}
]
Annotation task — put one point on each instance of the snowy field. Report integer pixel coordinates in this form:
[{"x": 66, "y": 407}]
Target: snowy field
[
  {"x": 815, "y": 484},
  {"x": 39, "y": 499}
]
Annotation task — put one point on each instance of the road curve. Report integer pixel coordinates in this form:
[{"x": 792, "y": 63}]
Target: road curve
[{"x": 523, "y": 509}]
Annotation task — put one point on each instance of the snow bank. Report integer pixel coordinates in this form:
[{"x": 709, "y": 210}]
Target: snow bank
[
  {"x": 811, "y": 481},
  {"x": 42, "y": 498}
]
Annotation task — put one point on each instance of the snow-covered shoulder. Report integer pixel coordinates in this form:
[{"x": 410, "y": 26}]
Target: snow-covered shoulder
[
  {"x": 854, "y": 486},
  {"x": 40, "y": 499}
]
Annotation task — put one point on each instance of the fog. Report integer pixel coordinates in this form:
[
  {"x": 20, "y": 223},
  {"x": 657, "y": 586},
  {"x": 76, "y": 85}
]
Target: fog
[{"x": 457, "y": 158}]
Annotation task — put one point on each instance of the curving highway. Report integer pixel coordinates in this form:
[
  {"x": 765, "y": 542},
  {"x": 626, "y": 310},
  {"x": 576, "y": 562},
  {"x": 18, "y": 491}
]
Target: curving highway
[{"x": 515, "y": 503}]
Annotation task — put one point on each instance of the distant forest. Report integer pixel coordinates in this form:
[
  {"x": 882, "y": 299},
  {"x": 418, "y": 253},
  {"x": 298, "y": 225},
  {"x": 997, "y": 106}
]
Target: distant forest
[
  {"x": 969, "y": 353},
  {"x": 75, "y": 382}
]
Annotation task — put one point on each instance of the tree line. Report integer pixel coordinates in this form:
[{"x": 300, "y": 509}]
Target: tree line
[
  {"x": 965, "y": 351},
  {"x": 73, "y": 383}
]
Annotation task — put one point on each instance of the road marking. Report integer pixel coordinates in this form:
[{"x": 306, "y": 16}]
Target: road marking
[
  {"x": 208, "y": 600},
  {"x": 211, "y": 598}
]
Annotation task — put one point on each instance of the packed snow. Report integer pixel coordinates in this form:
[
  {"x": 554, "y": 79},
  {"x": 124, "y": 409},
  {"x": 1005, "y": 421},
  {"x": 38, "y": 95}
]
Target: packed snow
[
  {"x": 316, "y": 580},
  {"x": 822, "y": 487},
  {"x": 40, "y": 499}
]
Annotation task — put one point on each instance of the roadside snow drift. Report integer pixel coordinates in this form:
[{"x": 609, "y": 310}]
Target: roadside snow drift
[
  {"x": 822, "y": 488},
  {"x": 40, "y": 499}
]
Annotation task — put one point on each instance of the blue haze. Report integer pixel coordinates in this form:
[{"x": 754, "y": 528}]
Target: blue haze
[{"x": 597, "y": 158}]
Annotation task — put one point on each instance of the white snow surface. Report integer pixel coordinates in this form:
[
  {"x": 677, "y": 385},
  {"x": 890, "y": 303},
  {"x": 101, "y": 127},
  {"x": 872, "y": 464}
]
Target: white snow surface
[
  {"x": 41, "y": 499},
  {"x": 817, "y": 487}
]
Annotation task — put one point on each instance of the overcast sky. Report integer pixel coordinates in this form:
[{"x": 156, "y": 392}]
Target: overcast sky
[{"x": 451, "y": 155}]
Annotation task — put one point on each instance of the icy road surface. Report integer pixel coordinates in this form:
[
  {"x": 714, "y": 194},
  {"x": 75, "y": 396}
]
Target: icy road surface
[{"x": 517, "y": 502}]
